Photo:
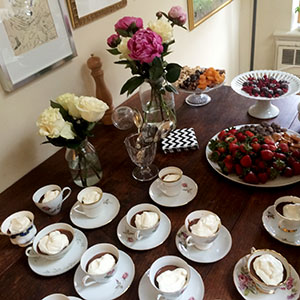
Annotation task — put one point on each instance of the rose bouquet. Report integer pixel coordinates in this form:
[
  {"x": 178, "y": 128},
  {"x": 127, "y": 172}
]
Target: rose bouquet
[
  {"x": 68, "y": 122},
  {"x": 143, "y": 50}
]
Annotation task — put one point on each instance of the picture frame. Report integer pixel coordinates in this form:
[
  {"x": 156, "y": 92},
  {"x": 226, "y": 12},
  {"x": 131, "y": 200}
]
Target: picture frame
[
  {"x": 200, "y": 10},
  {"x": 35, "y": 37},
  {"x": 85, "y": 11}
]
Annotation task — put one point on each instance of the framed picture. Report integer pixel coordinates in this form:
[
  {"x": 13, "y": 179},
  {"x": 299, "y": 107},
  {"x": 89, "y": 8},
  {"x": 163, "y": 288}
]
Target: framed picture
[
  {"x": 201, "y": 10},
  {"x": 35, "y": 37},
  {"x": 86, "y": 11}
]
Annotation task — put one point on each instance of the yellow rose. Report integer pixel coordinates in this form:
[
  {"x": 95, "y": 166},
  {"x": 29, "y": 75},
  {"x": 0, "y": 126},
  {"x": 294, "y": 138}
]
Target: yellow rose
[
  {"x": 122, "y": 47},
  {"x": 162, "y": 28},
  {"x": 52, "y": 124},
  {"x": 91, "y": 109},
  {"x": 69, "y": 101}
]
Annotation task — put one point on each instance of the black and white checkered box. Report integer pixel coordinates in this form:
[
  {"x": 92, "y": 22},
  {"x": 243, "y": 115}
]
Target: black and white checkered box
[{"x": 180, "y": 139}]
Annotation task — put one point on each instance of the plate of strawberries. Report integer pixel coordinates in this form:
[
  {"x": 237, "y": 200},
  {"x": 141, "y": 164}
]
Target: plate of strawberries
[{"x": 263, "y": 155}]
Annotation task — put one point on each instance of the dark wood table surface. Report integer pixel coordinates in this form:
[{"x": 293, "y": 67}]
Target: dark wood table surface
[{"x": 240, "y": 207}]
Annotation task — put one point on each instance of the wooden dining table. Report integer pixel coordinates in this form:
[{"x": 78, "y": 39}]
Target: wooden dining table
[{"x": 239, "y": 207}]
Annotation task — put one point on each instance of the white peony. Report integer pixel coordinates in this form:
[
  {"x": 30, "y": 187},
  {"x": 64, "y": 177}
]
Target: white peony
[
  {"x": 162, "y": 28},
  {"x": 52, "y": 124},
  {"x": 69, "y": 101},
  {"x": 91, "y": 109},
  {"x": 122, "y": 47}
]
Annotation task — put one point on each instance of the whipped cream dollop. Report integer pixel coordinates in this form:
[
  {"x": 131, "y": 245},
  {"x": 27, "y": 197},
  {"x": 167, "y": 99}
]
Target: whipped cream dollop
[
  {"x": 146, "y": 220},
  {"x": 206, "y": 226},
  {"x": 292, "y": 211},
  {"x": 53, "y": 243},
  {"x": 101, "y": 265},
  {"x": 90, "y": 197},
  {"x": 171, "y": 177},
  {"x": 172, "y": 281},
  {"x": 19, "y": 224},
  {"x": 50, "y": 195},
  {"x": 269, "y": 269}
]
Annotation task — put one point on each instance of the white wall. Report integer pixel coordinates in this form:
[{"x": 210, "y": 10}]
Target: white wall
[{"x": 216, "y": 43}]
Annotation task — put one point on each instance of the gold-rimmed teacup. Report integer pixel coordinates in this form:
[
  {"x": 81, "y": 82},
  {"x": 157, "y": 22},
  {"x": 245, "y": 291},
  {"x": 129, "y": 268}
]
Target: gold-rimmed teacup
[{"x": 170, "y": 181}]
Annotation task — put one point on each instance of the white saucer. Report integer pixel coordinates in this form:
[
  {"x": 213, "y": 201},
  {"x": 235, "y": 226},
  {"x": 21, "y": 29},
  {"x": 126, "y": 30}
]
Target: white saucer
[
  {"x": 270, "y": 223},
  {"x": 187, "y": 194},
  {"x": 111, "y": 207},
  {"x": 46, "y": 267},
  {"x": 217, "y": 251},
  {"x": 126, "y": 237},
  {"x": 74, "y": 298},
  {"x": 112, "y": 289},
  {"x": 194, "y": 291},
  {"x": 248, "y": 291}
]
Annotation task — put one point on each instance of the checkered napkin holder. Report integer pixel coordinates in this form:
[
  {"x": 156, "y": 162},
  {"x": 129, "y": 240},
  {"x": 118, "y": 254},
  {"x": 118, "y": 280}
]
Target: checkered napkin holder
[{"x": 180, "y": 139}]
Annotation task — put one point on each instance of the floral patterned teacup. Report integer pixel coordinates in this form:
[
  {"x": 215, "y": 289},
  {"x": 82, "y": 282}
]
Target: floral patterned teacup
[
  {"x": 170, "y": 181},
  {"x": 89, "y": 255}
]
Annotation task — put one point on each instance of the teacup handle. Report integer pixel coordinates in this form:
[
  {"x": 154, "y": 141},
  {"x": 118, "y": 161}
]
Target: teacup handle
[
  {"x": 160, "y": 297},
  {"x": 189, "y": 241},
  {"x": 87, "y": 280},
  {"x": 137, "y": 235},
  {"x": 68, "y": 193},
  {"x": 30, "y": 252},
  {"x": 78, "y": 210}
]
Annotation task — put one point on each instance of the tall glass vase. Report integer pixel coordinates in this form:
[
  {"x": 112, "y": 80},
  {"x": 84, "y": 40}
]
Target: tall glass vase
[
  {"x": 157, "y": 104},
  {"x": 84, "y": 164}
]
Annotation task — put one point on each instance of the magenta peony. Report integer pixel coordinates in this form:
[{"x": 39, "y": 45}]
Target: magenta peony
[
  {"x": 113, "y": 41},
  {"x": 125, "y": 23},
  {"x": 178, "y": 15},
  {"x": 145, "y": 45}
]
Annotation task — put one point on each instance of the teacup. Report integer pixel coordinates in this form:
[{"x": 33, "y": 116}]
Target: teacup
[
  {"x": 200, "y": 242},
  {"x": 142, "y": 233},
  {"x": 92, "y": 252},
  {"x": 56, "y": 297},
  {"x": 90, "y": 210},
  {"x": 262, "y": 286},
  {"x": 165, "y": 261},
  {"x": 24, "y": 237},
  {"x": 34, "y": 251},
  {"x": 53, "y": 206},
  {"x": 170, "y": 181},
  {"x": 286, "y": 224}
]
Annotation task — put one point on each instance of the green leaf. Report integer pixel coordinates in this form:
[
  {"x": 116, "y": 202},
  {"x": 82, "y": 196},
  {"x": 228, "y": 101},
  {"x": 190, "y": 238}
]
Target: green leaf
[
  {"x": 63, "y": 112},
  {"x": 170, "y": 88},
  {"x": 122, "y": 62},
  {"x": 114, "y": 51},
  {"x": 131, "y": 84},
  {"x": 156, "y": 70},
  {"x": 173, "y": 72},
  {"x": 122, "y": 32}
]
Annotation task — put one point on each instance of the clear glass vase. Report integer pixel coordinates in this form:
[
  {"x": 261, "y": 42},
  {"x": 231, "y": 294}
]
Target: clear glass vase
[
  {"x": 84, "y": 164},
  {"x": 157, "y": 104}
]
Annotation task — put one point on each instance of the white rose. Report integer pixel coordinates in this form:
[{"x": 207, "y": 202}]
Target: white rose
[
  {"x": 69, "y": 101},
  {"x": 122, "y": 47},
  {"x": 52, "y": 124},
  {"x": 162, "y": 28},
  {"x": 91, "y": 109}
]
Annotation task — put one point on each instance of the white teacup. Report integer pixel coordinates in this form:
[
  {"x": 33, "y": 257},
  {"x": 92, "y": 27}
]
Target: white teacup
[
  {"x": 142, "y": 233},
  {"x": 90, "y": 253},
  {"x": 34, "y": 250},
  {"x": 24, "y": 237},
  {"x": 263, "y": 287},
  {"x": 91, "y": 210},
  {"x": 287, "y": 224},
  {"x": 53, "y": 206},
  {"x": 56, "y": 297},
  {"x": 168, "y": 261},
  {"x": 200, "y": 242},
  {"x": 170, "y": 181}
]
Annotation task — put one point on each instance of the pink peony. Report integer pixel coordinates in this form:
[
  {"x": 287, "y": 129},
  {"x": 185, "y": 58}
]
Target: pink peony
[
  {"x": 125, "y": 23},
  {"x": 145, "y": 45},
  {"x": 113, "y": 41},
  {"x": 178, "y": 15}
]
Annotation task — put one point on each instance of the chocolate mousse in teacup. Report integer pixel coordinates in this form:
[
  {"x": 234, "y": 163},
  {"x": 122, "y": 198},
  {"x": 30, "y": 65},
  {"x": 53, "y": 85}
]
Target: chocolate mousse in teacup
[
  {"x": 268, "y": 269},
  {"x": 99, "y": 263},
  {"x": 52, "y": 242},
  {"x": 19, "y": 227},
  {"x": 143, "y": 219},
  {"x": 170, "y": 276},
  {"x": 89, "y": 202},
  {"x": 287, "y": 210},
  {"x": 170, "y": 181},
  {"x": 50, "y": 198},
  {"x": 203, "y": 227},
  {"x": 56, "y": 297}
]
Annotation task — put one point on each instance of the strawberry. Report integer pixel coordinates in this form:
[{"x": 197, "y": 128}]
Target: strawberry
[
  {"x": 268, "y": 141},
  {"x": 255, "y": 147},
  {"x": 272, "y": 147},
  {"x": 228, "y": 158},
  {"x": 279, "y": 164},
  {"x": 265, "y": 147},
  {"x": 228, "y": 167},
  {"x": 263, "y": 177},
  {"x": 249, "y": 133},
  {"x": 283, "y": 147},
  {"x": 296, "y": 153},
  {"x": 288, "y": 172},
  {"x": 246, "y": 161},
  {"x": 233, "y": 147},
  {"x": 245, "y": 148},
  {"x": 261, "y": 165},
  {"x": 251, "y": 178},
  {"x": 296, "y": 167},
  {"x": 230, "y": 139},
  {"x": 280, "y": 156},
  {"x": 241, "y": 137},
  {"x": 272, "y": 173},
  {"x": 232, "y": 131},
  {"x": 290, "y": 160},
  {"x": 222, "y": 135},
  {"x": 238, "y": 169},
  {"x": 266, "y": 155},
  {"x": 221, "y": 149}
]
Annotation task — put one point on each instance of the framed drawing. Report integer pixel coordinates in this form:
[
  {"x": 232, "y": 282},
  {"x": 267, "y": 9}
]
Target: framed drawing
[
  {"x": 35, "y": 37},
  {"x": 201, "y": 10},
  {"x": 86, "y": 11}
]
